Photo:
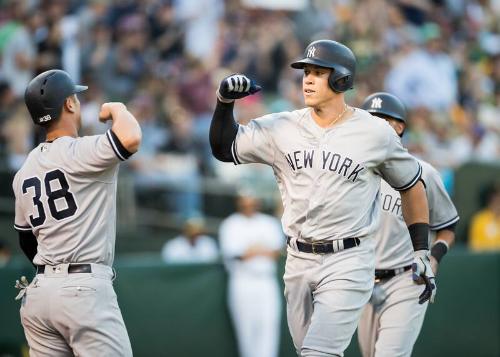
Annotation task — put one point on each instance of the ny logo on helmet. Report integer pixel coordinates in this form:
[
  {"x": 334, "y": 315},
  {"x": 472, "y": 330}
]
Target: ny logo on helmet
[
  {"x": 45, "y": 118},
  {"x": 376, "y": 103},
  {"x": 310, "y": 51}
]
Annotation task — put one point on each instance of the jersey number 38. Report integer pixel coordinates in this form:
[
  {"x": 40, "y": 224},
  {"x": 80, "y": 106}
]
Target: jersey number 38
[{"x": 53, "y": 194}]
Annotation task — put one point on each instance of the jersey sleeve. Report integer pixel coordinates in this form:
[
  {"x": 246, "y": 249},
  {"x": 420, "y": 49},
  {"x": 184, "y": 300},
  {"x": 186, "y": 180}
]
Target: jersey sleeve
[
  {"x": 20, "y": 222},
  {"x": 97, "y": 153},
  {"x": 442, "y": 211},
  {"x": 399, "y": 169},
  {"x": 254, "y": 142}
]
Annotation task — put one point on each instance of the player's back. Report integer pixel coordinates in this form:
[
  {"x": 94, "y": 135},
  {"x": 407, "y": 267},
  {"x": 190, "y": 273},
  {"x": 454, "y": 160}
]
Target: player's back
[{"x": 66, "y": 195}]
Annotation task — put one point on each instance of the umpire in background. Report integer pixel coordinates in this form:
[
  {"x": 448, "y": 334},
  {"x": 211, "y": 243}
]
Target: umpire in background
[{"x": 65, "y": 213}]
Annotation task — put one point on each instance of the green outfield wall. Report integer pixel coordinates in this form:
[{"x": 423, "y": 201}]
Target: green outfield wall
[{"x": 180, "y": 311}]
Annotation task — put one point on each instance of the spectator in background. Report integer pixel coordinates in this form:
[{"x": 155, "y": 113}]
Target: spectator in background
[
  {"x": 17, "y": 47},
  {"x": 484, "y": 232},
  {"x": 125, "y": 63},
  {"x": 250, "y": 244},
  {"x": 444, "y": 56},
  {"x": 18, "y": 134},
  {"x": 425, "y": 76},
  {"x": 5, "y": 254},
  {"x": 193, "y": 246},
  {"x": 201, "y": 22}
]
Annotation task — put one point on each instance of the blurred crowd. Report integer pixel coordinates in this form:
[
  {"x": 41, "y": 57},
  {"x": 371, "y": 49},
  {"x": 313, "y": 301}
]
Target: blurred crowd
[{"x": 165, "y": 58}]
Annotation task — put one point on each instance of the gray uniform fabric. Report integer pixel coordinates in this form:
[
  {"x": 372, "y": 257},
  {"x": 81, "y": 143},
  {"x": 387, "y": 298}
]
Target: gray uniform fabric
[
  {"x": 66, "y": 195},
  {"x": 329, "y": 181},
  {"x": 74, "y": 314},
  {"x": 394, "y": 248},
  {"x": 391, "y": 322}
]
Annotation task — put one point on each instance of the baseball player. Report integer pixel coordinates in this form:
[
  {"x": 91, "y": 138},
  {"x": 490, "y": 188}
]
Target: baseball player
[
  {"x": 327, "y": 159},
  {"x": 65, "y": 215},
  {"x": 250, "y": 244},
  {"x": 391, "y": 321}
]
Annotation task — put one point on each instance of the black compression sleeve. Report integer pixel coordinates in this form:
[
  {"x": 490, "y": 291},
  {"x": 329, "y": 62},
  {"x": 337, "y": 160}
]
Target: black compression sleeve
[
  {"x": 29, "y": 244},
  {"x": 223, "y": 130}
]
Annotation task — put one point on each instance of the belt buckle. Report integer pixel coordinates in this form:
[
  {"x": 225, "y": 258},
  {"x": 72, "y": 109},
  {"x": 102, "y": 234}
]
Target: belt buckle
[{"x": 313, "y": 250}]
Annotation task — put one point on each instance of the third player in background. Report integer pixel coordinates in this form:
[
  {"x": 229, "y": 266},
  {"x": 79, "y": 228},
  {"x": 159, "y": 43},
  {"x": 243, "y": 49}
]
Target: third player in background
[{"x": 391, "y": 321}]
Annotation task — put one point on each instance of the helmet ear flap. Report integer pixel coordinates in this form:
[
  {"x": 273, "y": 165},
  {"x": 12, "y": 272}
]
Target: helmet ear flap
[{"x": 340, "y": 85}]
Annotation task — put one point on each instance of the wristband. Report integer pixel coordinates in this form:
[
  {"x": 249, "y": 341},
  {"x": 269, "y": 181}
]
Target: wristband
[
  {"x": 419, "y": 234},
  {"x": 439, "y": 249}
]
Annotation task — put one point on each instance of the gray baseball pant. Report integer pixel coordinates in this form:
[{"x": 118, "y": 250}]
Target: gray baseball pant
[
  {"x": 391, "y": 322},
  {"x": 325, "y": 295},
  {"x": 74, "y": 314}
]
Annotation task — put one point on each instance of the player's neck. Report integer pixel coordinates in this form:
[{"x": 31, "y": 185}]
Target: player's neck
[
  {"x": 63, "y": 127},
  {"x": 330, "y": 113}
]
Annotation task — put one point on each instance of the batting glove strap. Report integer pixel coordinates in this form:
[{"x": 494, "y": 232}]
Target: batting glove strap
[
  {"x": 422, "y": 274},
  {"x": 222, "y": 99},
  {"x": 236, "y": 86}
]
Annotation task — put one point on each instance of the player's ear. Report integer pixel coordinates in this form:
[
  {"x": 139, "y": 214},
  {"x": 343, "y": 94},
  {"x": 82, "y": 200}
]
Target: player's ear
[
  {"x": 400, "y": 127},
  {"x": 70, "y": 104}
]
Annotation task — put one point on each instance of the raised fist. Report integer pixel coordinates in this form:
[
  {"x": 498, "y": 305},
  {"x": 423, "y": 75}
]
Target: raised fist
[{"x": 236, "y": 86}]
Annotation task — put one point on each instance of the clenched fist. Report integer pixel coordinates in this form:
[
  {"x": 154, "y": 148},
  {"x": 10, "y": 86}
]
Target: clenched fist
[
  {"x": 236, "y": 86},
  {"x": 107, "y": 110}
]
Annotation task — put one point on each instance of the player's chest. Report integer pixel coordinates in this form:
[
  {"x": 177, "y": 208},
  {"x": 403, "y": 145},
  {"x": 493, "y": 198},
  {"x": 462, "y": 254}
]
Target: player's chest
[{"x": 337, "y": 155}]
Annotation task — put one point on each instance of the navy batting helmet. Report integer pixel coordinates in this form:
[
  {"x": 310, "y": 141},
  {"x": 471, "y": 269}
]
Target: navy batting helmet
[
  {"x": 334, "y": 55},
  {"x": 46, "y": 93},
  {"x": 384, "y": 104}
]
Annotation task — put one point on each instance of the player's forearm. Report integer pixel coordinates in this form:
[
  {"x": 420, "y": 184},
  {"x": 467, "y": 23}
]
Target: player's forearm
[
  {"x": 126, "y": 128},
  {"x": 446, "y": 235},
  {"x": 416, "y": 215},
  {"x": 223, "y": 130}
]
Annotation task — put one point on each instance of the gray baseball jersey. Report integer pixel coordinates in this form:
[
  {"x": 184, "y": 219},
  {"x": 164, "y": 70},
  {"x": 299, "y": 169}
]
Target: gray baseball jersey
[
  {"x": 394, "y": 248},
  {"x": 329, "y": 179},
  {"x": 66, "y": 195}
]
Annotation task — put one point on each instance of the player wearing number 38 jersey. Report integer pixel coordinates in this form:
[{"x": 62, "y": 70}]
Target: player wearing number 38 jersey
[{"x": 65, "y": 214}]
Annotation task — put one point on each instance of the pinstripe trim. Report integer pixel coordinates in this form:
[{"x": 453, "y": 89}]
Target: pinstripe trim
[
  {"x": 445, "y": 224},
  {"x": 113, "y": 145},
  {"x": 234, "y": 154},
  {"x": 413, "y": 181},
  {"x": 22, "y": 228}
]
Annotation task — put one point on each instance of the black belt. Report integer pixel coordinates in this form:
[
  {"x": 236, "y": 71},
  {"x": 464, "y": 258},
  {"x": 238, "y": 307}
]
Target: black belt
[
  {"x": 325, "y": 248},
  {"x": 72, "y": 268},
  {"x": 384, "y": 274}
]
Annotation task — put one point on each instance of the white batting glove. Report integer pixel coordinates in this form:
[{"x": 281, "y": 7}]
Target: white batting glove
[
  {"x": 423, "y": 274},
  {"x": 21, "y": 284}
]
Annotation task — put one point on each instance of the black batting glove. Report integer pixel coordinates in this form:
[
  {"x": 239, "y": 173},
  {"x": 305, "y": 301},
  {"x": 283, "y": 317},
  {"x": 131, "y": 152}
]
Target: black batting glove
[{"x": 236, "y": 86}]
